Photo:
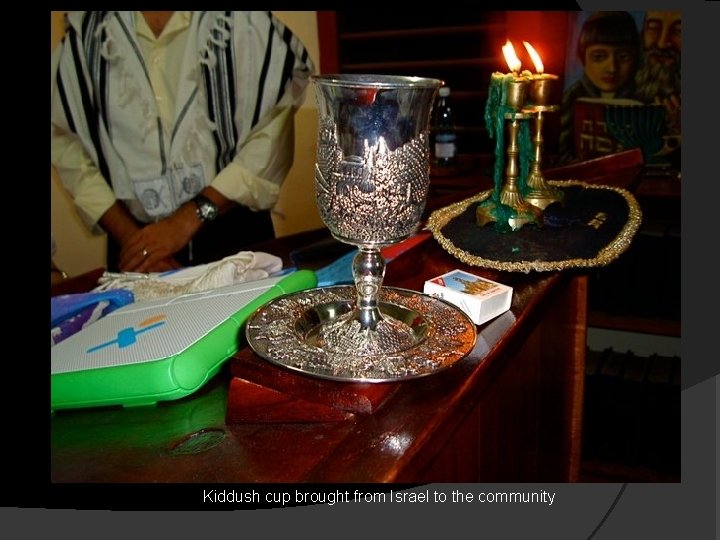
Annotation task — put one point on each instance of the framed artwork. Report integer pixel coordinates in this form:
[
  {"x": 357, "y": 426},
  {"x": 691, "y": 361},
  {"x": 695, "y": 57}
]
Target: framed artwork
[{"x": 622, "y": 85}]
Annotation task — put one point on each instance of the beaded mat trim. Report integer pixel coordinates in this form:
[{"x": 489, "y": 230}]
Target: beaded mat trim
[{"x": 450, "y": 215}]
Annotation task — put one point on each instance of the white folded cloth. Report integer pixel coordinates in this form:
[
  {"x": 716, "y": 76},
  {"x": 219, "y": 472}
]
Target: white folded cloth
[{"x": 241, "y": 267}]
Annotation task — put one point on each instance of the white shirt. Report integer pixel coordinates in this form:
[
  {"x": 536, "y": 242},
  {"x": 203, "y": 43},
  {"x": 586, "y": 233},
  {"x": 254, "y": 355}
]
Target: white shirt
[{"x": 156, "y": 135}]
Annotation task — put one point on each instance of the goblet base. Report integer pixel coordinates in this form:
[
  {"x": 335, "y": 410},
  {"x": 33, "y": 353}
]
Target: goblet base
[
  {"x": 315, "y": 332},
  {"x": 347, "y": 333}
]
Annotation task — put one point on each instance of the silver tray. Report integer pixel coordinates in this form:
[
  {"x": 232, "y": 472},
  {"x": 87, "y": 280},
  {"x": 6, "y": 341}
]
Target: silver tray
[{"x": 286, "y": 332}]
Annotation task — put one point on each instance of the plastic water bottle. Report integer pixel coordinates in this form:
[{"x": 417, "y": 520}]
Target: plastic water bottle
[{"x": 445, "y": 133}]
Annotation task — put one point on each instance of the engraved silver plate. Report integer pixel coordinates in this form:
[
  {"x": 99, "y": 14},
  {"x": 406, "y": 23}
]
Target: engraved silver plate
[{"x": 310, "y": 332}]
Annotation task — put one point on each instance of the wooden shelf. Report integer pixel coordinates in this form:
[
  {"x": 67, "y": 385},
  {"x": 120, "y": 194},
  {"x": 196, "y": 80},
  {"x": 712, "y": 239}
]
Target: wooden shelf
[
  {"x": 659, "y": 186},
  {"x": 455, "y": 63},
  {"x": 643, "y": 325},
  {"x": 424, "y": 32}
]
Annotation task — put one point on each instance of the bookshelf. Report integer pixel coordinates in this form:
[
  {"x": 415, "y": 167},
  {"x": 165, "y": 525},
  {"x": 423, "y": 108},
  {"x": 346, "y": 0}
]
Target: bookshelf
[
  {"x": 462, "y": 48},
  {"x": 649, "y": 298},
  {"x": 630, "y": 323}
]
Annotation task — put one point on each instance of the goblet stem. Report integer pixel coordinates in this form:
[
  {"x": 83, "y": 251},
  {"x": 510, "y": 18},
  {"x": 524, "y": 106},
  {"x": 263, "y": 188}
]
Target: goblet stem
[
  {"x": 368, "y": 272},
  {"x": 371, "y": 183},
  {"x": 366, "y": 331}
]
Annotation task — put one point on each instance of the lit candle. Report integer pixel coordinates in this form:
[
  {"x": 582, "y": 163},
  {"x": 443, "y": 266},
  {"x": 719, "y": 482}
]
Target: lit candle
[
  {"x": 515, "y": 84},
  {"x": 511, "y": 58},
  {"x": 541, "y": 82},
  {"x": 505, "y": 95}
]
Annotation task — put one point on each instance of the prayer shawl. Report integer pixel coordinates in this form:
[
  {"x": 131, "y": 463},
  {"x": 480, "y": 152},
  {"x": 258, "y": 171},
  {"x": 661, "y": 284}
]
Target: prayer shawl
[{"x": 238, "y": 68}]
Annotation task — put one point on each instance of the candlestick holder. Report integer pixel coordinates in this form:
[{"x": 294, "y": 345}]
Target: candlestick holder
[
  {"x": 507, "y": 205},
  {"x": 516, "y": 90},
  {"x": 510, "y": 194},
  {"x": 539, "y": 192}
]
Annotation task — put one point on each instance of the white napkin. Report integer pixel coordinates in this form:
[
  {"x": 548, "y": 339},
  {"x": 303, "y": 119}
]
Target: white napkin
[{"x": 241, "y": 267}]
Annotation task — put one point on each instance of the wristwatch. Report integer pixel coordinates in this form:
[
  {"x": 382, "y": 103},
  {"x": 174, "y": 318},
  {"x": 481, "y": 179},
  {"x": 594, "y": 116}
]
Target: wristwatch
[{"x": 206, "y": 209}]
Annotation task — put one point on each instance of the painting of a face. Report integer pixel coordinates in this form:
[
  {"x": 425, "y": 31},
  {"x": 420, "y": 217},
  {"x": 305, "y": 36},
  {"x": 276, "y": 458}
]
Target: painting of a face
[{"x": 608, "y": 67}]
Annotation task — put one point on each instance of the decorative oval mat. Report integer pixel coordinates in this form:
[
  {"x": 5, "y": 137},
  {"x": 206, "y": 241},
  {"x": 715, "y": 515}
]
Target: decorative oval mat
[{"x": 591, "y": 227}]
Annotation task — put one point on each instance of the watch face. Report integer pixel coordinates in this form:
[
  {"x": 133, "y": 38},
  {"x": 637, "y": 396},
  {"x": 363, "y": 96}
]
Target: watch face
[{"x": 207, "y": 210}]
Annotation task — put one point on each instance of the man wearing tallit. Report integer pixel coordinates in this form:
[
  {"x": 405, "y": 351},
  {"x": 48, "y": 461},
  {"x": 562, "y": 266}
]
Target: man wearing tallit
[{"x": 173, "y": 131}]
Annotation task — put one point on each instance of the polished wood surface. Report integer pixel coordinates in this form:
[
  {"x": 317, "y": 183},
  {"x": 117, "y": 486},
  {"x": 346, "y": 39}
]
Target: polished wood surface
[{"x": 511, "y": 411}]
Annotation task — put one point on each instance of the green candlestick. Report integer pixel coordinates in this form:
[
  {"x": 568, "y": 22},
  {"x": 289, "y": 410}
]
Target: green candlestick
[{"x": 505, "y": 207}]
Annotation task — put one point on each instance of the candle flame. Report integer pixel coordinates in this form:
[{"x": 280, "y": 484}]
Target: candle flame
[
  {"x": 535, "y": 57},
  {"x": 511, "y": 58}
]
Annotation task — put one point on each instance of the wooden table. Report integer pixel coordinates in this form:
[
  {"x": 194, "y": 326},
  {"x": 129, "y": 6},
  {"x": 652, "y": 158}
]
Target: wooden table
[{"x": 511, "y": 411}]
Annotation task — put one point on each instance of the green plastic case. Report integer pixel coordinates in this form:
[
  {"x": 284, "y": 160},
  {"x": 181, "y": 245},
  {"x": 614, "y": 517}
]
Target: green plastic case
[{"x": 131, "y": 378}]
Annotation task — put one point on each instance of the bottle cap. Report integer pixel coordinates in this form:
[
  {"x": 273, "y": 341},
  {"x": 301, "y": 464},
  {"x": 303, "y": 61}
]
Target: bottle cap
[{"x": 444, "y": 91}]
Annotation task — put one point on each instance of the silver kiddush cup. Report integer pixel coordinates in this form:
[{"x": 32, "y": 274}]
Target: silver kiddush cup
[{"x": 371, "y": 184}]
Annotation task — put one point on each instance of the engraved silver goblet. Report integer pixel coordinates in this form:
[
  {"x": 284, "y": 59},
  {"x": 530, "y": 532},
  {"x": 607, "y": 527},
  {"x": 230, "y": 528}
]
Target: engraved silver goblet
[{"x": 371, "y": 185}]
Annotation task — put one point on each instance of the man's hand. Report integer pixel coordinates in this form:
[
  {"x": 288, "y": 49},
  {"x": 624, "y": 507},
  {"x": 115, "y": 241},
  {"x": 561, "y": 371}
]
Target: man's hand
[{"x": 151, "y": 248}]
